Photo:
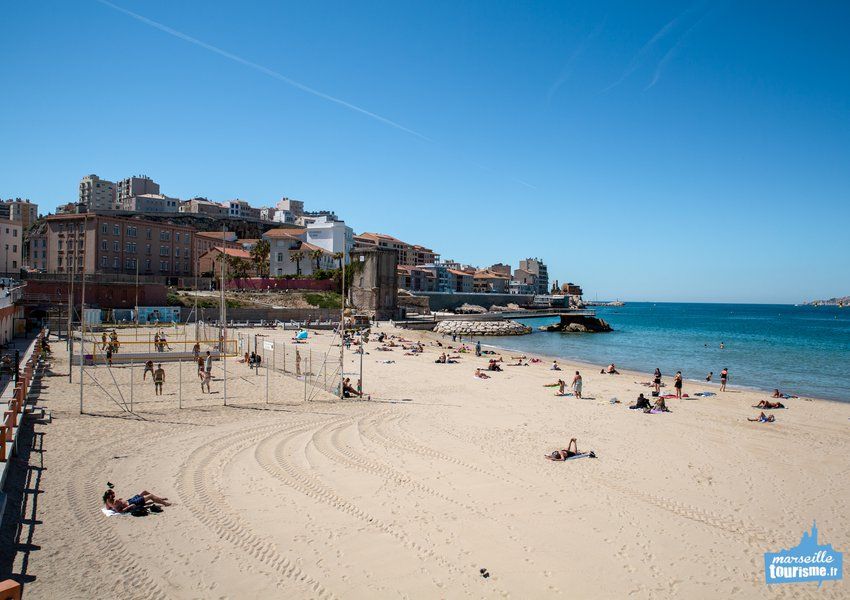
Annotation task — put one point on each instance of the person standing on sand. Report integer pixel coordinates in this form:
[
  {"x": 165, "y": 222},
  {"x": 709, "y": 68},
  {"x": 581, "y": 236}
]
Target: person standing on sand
[
  {"x": 677, "y": 383},
  {"x": 478, "y": 348},
  {"x": 196, "y": 351},
  {"x": 724, "y": 375},
  {"x": 576, "y": 385},
  {"x": 656, "y": 381},
  {"x": 158, "y": 379},
  {"x": 148, "y": 367}
]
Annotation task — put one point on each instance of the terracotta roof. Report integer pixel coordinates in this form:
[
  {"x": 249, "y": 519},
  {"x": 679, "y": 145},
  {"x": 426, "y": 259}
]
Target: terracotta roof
[
  {"x": 249, "y": 241},
  {"x": 456, "y": 272},
  {"x": 282, "y": 232},
  {"x": 217, "y": 235},
  {"x": 312, "y": 247},
  {"x": 381, "y": 236},
  {"x": 234, "y": 252},
  {"x": 489, "y": 275}
]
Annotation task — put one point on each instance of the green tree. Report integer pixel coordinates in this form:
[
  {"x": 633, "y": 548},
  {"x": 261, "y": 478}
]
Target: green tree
[
  {"x": 296, "y": 256},
  {"x": 338, "y": 256},
  {"x": 316, "y": 255},
  {"x": 260, "y": 256}
]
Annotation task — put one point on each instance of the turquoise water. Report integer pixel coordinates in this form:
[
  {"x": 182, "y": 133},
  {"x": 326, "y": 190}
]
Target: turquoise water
[{"x": 799, "y": 349}]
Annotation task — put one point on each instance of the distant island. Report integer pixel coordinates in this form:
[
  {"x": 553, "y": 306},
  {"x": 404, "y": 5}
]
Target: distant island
[{"x": 843, "y": 301}]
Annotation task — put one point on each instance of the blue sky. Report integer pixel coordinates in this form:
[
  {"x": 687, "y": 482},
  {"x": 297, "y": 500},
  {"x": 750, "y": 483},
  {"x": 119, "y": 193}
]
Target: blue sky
[{"x": 664, "y": 151}]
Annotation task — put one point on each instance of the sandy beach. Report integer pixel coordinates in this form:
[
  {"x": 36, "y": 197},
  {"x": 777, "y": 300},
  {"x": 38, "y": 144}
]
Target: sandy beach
[{"x": 439, "y": 475}]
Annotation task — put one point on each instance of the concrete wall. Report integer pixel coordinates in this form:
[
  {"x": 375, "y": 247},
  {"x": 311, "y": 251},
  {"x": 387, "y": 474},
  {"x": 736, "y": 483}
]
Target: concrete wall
[
  {"x": 440, "y": 301},
  {"x": 268, "y": 314},
  {"x": 98, "y": 295}
]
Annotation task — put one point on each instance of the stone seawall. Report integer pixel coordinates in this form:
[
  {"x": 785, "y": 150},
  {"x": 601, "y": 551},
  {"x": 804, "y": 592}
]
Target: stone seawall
[{"x": 475, "y": 328}]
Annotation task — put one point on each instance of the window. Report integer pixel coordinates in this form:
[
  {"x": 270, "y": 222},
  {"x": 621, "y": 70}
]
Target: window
[
  {"x": 60, "y": 245},
  {"x": 80, "y": 244},
  {"x": 148, "y": 233},
  {"x": 164, "y": 251},
  {"x": 131, "y": 247},
  {"x": 163, "y": 265},
  {"x": 116, "y": 229},
  {"x": 147, "y": 248},
  {"x": 14, "y": 247},
  {"x": 186, "y": 252},
  {"x": 177, "y": 253},
  {"x": 280, "y": 257},
  {"x": 44, "y": 243},
  {"x": 164, "y": 236},
  {"x": 115, "y": 263},
  {"x": 130, "y": 263},
  {"x": 59, "y": 261},
  {"x": 148, "y": 264},
  {"x": 116, "y": 246},
  {"x": 104, "y": 245},
  {"x": 104, "y": 261},
  {"x": 131, "y": 231},
  {"x": 104, "y": 228},
  {"x": 14, "y": 264},
  {"x": 14, "y": 233},
  {"x": 176, "y": 236}
]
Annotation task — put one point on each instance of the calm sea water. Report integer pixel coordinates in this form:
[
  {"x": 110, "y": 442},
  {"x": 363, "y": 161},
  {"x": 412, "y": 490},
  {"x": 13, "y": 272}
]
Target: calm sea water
[{"x": 799, "y": 349}]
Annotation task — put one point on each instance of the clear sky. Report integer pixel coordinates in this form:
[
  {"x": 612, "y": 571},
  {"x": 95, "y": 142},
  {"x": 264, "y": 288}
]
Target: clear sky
[{"x": 662, "y": 151}]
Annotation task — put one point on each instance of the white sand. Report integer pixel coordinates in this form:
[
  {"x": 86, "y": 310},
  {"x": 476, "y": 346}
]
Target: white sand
[{"x": 441, "y": 474}]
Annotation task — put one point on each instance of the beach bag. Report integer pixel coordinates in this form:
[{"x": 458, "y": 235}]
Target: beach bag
[{"x": 654, "y": 394}]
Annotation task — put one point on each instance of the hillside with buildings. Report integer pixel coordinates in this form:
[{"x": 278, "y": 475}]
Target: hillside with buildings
[{"x": 131, "y": 228}]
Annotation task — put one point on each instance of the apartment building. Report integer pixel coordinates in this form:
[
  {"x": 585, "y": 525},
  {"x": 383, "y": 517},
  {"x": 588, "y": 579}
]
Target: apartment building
[
  {"x": 202, "y": 206},
  {"x": 416, "y": 279},
  {"x": 97, "y": 193},
  {"x": 539, "y": 270},
  {"x": 489, "y": 282},
  {"x": 204, "y": 241},
  {"x": 107, "y": 244},
  {"x": 331, "y": 234},
  {"x": 135, "y": 186},
  {"x": 37, "y": 249},
  {"x": 19, "y": 210},
  {"x": 208, "y": 262},
  {"x": 150, "y": 203},
  {"x": 11, "y": 247},
  {"x": 239, "y": 209},
  {"x": 408, "y": 254}
]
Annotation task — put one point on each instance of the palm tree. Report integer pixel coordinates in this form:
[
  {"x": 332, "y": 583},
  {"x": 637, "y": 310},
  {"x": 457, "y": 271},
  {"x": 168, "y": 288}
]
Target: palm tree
[
  {"x": 297, "y": 256},
  {"x": 316, "y": 255},
  {"x": 338, "y": 256},
  {"x": 260, "y": 255}
]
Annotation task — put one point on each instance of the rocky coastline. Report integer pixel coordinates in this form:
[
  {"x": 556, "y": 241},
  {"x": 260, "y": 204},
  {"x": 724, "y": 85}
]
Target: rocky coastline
[
  {"x": 481, "y": 328},
  {"x": 579, "y": 324}
]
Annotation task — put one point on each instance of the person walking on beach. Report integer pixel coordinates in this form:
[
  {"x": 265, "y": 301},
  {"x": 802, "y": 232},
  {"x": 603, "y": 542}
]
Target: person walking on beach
[
  {"x": 724, "y": 375},
  {"x": 478, "y": 348},
  {"x": 576, "y": 385},
  {"x": 109, "y": 355},
  {"x": 678, "y": 384},
  {"x": 158, "y": 379},
  {"x": 196, "y": 351},
  {"x": 656, "y": 381}
]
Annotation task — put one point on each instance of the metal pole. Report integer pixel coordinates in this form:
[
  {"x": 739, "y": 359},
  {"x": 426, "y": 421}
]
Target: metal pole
[
  {"x": 342, "y": 327},
  {"x": 137, "y": 297},
  {"x": 131, "y": 384},
  {"x": 179, "y": 384},
  {"x": 362, "y": 352},
  {"x": 267, "y": 375},
  {"x": 223, "y": 317}
]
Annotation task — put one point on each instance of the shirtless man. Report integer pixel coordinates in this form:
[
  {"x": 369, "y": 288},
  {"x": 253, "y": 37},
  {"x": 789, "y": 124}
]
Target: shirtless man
[
  {"x": 158, "y": 379},
  {"x": 576, "y": 385},
  {"x": 140, "y": 500}
]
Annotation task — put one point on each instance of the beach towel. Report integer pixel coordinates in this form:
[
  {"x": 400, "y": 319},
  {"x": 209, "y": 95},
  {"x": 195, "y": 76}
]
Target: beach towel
[
  {"x": 301, "y": 335},
  {"x": 655, "y": 411},
  {"x": 111, "y": 513},
  {"x": 582, "y": 455},
  {"x": 385, "y": 362},
  {"x": 705, "y": 394}
]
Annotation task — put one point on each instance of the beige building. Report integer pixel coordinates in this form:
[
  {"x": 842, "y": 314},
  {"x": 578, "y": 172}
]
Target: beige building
[
  {"x": 97, "y": 193},
  {"x": 202, "y": 206},
  {"x": 408, "y": 254},
  {"x": 11, "y": 247},
  {"x": 208, "y": 262},
  {"x": 239, "y": 209},
  {"x": 37, "y": 249},
  {"x": 20, "y": 211},
  {"x": 106, "y": 244},
  {"x": 150, "y": 203},
  {"x": 135, "y": 186}
]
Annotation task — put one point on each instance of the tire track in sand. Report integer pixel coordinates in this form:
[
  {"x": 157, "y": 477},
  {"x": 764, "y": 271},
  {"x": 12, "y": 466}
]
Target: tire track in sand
[
  {"x": 271, "y": 453},
  {"x": 205, "y": 464}
]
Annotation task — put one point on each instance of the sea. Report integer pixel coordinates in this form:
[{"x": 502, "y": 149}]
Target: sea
[{"x": 802, "y": 350}]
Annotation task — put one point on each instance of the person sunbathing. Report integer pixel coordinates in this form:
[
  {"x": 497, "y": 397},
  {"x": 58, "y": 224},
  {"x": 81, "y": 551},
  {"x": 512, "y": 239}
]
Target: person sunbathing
[
  {"x": 442, "y": 359},
  {"x": 481, "y": 375},
  {"x": 763, "y": 418},
  {"x": 570, "y": 451},
  {"x": 768, "y": 404},
  {"x": 493, "y": 366},
  {"x": 518, "y": 363},
  {"x": 659, "y": 406},
  {"x": 611, "y": 370},
  {"x": 642, "y": 403},
  {"x": 141, "y": 500}
]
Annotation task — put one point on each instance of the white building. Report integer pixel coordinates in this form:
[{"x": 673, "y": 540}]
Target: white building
[
  {"x": 11, "y": 246},
  {"x": 296, "y": 207},
  {"x": 333, "y": 236},
  {"x": 283, "y": 216},
  {"x": 285, "y": 247}
]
